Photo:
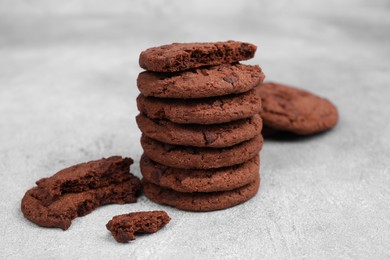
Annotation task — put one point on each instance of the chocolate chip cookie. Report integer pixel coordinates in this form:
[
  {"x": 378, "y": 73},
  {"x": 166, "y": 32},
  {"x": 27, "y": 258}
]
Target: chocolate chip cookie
[
  {"x": 205, "y": 111},
  {"x": 200, "y": 83},
  {"x": 188, "y": 180},
  {"x": 183, "y": 56},
  {"x": 86, "y": 176},
  {"x": 291, "y": 109},
  {"x": 201, "y": 201},
  {"x": 217, "y": 136},
  {"x": 64, "y": 209},
  {"x": 187, "y": 157}
]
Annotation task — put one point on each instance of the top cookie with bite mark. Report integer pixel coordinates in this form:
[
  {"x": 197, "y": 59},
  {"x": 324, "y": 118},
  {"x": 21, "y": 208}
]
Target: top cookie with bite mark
[{"x": 182, "y": 56}]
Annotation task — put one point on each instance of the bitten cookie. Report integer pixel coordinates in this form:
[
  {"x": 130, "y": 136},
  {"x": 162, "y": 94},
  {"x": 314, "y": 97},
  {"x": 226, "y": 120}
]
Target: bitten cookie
[
  {"x": 201, "y": 201},
  {"x": 187, "y": 157},
  {"x": 63, "y": 210},
  {"x": 124, "y": 227},
  {"x": 86, "y": 176},
  {"x": 186, "y": 180},
  {"x": 183, "y": 56},
  {"x": 205, "y": 111},
  {"x": 290, "y": 109},
  {"x": 200, "y": 83},
  {"x": 217, "y": 136}
]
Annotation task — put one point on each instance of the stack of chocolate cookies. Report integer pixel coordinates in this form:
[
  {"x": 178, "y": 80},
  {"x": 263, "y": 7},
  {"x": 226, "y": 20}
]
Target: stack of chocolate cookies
[{"x": 200, "y": 124}]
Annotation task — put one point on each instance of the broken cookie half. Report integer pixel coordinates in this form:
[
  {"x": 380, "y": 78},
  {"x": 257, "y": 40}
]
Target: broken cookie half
[{"x": 78, "y": 190}]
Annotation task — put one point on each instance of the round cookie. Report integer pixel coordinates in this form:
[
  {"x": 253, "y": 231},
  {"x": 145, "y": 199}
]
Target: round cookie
[
  {"x": 217, "y": 136},
  {"x": 200, "y": 83},
  {"x": 186, "y": 180},
  {"x": 201, "y": 201},
  {"x": 183, "y": 56},
  {"x": 290, "y": 109},
  {"x": 204, "y": 111},
  {"x": 188, "y": 157}
]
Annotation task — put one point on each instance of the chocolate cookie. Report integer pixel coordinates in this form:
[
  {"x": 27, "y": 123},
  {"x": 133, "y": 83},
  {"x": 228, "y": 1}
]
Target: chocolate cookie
[
  {"x": 182, "y": 56},
  {"x": 86, "y": 176},
  {"x": 187, "y": 157},
  {"x": 67, "y": 207},
  {"x": 123, "y": 227},
  {"x": 200, "y": 83},
  {"x": 290, "y": 109},
  {"x": 186, "y": 180},
  {"x": 218, "y": 136},
  {"x": 205, "y": 111},
  {"x": 201, "y": 201}
]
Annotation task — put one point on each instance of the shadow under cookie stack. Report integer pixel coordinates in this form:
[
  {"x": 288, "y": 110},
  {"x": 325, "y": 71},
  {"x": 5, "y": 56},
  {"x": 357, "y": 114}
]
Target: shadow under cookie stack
[{"x": 200, "y": 124}]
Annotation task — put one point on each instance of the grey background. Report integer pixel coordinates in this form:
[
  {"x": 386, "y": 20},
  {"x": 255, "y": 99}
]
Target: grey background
[{"x": 67, "y": 95}]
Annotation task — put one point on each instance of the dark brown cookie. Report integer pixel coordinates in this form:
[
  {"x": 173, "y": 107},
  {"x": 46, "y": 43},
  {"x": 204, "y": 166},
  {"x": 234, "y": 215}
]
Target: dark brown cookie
[
  {"x": 85, "y": 176},
  {"x": 67, "y": 207},
  {"x": 183, "y": 56},
  {"x": 201, "y": 201},
  {"x": 186, "y": 180},
  {"x": 187, "y": 157},
  {"x": 217, "y": 136},
  {"x": 290, "y": 109},
  {"x": 124, "y": 227},
  {"x": 200, "y": 83},
  {"x": 205, "y": 111}
]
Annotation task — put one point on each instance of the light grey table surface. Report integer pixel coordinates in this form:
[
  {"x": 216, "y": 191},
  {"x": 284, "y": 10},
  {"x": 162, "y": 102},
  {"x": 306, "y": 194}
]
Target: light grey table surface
[{"x": 67, "y": 95}]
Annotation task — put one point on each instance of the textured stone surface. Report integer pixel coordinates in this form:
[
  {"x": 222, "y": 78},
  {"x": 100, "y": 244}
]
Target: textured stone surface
[{"x": 67, "y": 95}]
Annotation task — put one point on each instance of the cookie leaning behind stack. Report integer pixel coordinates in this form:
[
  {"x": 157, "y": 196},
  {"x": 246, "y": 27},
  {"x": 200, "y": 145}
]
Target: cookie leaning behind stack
[
  {"x": 290, "y": 109},
  {"x": 201, "y": 124}
]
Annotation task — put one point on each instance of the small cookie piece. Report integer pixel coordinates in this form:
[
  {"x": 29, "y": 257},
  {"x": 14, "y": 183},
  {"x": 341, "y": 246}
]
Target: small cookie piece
[
  {"x": 217, "y": 136},
  {"x": 61, "y": 212},
  {"x": 204, "y": 111},
  {"x": 201, "y": 201},
  {"x": 290, "y": 109},
  {"x": 182, "y": 56},
  {"x": 123, "y": 227},
  {"x": 86, "y": 176},
  {"x": 187, "y": 180},
  {"x": 188, "y": 157},
  {"x": 200, "y": 83}
]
